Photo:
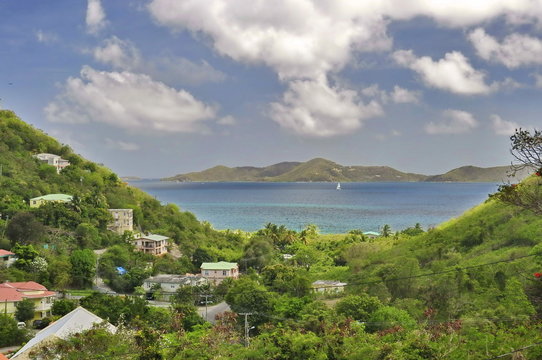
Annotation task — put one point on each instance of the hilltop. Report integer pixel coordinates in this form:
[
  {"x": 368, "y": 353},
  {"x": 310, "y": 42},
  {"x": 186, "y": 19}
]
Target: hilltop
[{"x": 320, "y": 169}]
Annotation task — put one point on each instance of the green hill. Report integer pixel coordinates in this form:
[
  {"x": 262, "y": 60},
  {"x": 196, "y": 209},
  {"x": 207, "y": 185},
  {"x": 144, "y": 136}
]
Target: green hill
[
  {"x": 477, "y": 174},
  {"x": 314, "y": 170},
  {"x": 325, "y": 170}
]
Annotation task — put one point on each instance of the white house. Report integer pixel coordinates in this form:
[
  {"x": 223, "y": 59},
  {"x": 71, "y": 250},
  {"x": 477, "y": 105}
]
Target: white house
[
  {"x": 328, "y": 286},
  {"x": 218, "y": 271},
  {"x": 169, "y": 283},
  {"x": 53, "y": 160},
  {"x": 151, "y": 244}
]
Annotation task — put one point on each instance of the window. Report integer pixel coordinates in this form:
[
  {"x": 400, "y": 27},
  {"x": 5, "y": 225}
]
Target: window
[
  {"x": 224, "y": 272},
  {"x": 206, "y": 272}
]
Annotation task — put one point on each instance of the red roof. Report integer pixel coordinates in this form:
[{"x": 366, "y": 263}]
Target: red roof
[
  {"x": 3, "y": 357},
  {"x": 17, "y": 291},
  {"x": 4, "y": 253}
]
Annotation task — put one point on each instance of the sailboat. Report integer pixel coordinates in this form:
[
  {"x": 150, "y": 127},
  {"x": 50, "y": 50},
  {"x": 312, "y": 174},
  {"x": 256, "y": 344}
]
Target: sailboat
[{"x": 338, "y": 186}]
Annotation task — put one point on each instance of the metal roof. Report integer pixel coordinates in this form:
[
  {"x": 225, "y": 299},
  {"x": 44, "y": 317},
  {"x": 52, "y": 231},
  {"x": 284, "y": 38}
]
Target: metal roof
[
  {"x": 54, "y": 197},
  {"x": 221, "y": 265}
]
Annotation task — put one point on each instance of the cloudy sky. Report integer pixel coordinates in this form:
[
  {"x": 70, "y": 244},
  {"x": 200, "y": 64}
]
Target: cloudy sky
[{"x": 158, "y": 87}]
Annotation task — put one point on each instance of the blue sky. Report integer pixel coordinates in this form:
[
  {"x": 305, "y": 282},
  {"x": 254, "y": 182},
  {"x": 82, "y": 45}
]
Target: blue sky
[{"x": 159, "y": 87}]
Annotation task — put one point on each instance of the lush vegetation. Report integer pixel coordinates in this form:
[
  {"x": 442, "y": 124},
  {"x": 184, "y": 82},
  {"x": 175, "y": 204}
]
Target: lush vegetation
[{"x": 468, "y": 289}]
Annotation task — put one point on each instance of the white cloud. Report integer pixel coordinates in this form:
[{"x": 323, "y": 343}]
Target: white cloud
[
  {"x": 95, "y": 18},
  {"x": 503, "y": 127},
  {"x": 298, "y": 39},
  {"x": 227, "y": 120},
  {"x": 124, "y": 55},
  {"x": 452, "y": 73},
  {"x": 118, "y": 53},
  {"x": 313, "y": 108},
  {"x": 514, "y": 51},
  {"x": 46, "y": 37},
  {"x": 130, "y": 101},
  {"x": 401, "y": 95},
  {"x": 452, "y": 122},
  {"x": 538, "y": 80},
  {"x": 121, "y": 145}
]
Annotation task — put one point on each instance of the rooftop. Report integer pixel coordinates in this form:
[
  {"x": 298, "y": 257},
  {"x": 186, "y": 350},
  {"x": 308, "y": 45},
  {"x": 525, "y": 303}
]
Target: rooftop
[
  {"x": 152, "y": 237},
  {"x": 173, "y": 279},
  {"x": 221, "y": 265},
  {"x": 6, "y": 253},
  {"x": 18, "y": 291},
  {"x": 328, "y": 283},
  {"x": 72, "y": 323},
  {"x": 54, "y": 197}
]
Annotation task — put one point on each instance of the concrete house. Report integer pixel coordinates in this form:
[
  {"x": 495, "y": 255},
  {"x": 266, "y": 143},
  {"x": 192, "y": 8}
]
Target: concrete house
[
  {"x": 53, "y": 160},
  {"x": 77, "y": 321},
  {"x": 215, "y": 272},
  {"x": 151, "y": 244},
  {"x": 169, "y": 283},
  {"x": 123, "y": 220},
  {"x": 7, "y": 258},
  {"x": 13, "y": 292},
  {"x": 328, "y": 286},
  {"x": 40, "y": 200}
]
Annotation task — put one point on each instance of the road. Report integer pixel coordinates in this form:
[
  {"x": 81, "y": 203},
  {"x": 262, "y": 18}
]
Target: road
[{"x": 214, "y": 310}]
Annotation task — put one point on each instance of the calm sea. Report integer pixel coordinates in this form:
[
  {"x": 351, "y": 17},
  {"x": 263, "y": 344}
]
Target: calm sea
[{"x": 366, "y": 206}]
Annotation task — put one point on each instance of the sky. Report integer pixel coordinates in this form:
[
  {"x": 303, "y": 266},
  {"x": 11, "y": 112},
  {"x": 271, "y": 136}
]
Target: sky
[{"x": 154, "y": 88}]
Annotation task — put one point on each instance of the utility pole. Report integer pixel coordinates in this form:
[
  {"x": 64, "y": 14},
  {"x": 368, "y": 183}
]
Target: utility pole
[
  {"x": 206, "y": 296},
  {"x": 247, "y": 329}
]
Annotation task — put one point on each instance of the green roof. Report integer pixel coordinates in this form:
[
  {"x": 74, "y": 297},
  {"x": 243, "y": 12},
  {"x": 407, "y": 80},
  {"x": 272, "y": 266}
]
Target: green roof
[
  {"x": 221, "y": 265},
  {"x": 54, "y": 197},
  {"x": 153, "y": 237}
]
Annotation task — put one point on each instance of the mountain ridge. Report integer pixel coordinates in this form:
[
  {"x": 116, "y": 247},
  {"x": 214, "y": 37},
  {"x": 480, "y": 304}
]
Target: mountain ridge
[{"x": 320, "y": 169}]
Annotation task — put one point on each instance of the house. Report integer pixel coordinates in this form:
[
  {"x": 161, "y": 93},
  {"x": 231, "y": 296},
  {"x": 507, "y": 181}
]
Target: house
[
  {"x": 53, "y": 160},
  {"x": 13, "y": 292},
  {"x": 7, "y": 258},
  {"x": 123, "y": 220},
  {"x": 328, "y": 286},
  {"x": 218, "y": 271},
  {"x": 371, "y": 234},
  {"x": 40, "y": 200},
  {"x": 151, "y": 244},
  {"x": 169, "y": 283},
  {"x": 77, "y": 321}
]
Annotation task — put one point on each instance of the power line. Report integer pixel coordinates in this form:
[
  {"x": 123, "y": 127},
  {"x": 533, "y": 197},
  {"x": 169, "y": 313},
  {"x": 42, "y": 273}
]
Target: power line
[{"x": 515, "y": 351}]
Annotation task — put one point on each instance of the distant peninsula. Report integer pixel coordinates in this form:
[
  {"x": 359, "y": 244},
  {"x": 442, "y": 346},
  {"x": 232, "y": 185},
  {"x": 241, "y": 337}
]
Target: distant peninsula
[{"x": 325, "y": 170}]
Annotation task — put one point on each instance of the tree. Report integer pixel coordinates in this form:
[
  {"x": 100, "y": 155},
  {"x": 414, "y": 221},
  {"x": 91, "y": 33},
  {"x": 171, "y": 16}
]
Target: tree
[
  {"x": 25, "y": 255},
  {"x": 386, "y": 230},
  {"x": 358, "y": 307},
  {"x": 63, "y": 306},
  {"x": 286, "y": 280},
  {"x": 83, "y": 267},
  {"x": 388, "y": 317},
  {"x": 24, "y": 229},
  {"x": 259, "y": 252},
  {"x": 526, "y": 149},
  {"x": 25, "y": 310},
  {"x": 247, "y": 295},
  {"x": 10, "y": 334}
]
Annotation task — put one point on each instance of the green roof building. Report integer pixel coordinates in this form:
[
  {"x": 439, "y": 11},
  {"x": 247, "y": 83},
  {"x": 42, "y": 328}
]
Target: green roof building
[{"x": 40, "y": 200}]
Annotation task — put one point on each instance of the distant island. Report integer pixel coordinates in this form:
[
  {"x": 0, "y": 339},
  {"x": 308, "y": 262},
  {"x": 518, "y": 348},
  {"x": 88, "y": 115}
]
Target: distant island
[{"x": 325, "y": 170}]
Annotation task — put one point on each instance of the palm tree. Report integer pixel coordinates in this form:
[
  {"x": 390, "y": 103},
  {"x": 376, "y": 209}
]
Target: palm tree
[{"x": 386, "y": 230}]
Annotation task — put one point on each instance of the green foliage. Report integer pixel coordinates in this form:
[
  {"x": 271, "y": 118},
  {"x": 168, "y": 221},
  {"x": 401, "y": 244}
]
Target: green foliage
[
  {"x": 10, "y": 334},
  {"x": 83, "y": 267},
  {"x": 23, "y": 228},
  {"x": 25, "y": 310},
  {"x": 247, "y": 295},
  {"x": 387, "y": 317},
  {"x": 63, "y": 306},
  {"x": 286, "y": 280},
  {"x": 115, "y": 309},
  {"x": 358, "y": 307}
]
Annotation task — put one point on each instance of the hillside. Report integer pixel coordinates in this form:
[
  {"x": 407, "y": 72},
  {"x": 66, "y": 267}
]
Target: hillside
[
  {"x": 477, "y": 174},
  {"x": 325, "y": 170},
  {"x": 313, "y": 170}
]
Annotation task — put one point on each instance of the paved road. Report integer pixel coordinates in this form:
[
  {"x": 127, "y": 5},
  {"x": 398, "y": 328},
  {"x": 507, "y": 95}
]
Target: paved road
[{"x": 214, "y": 310}]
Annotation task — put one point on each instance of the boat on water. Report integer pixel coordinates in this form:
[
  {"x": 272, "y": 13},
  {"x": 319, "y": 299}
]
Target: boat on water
[{"x": 339, "y": 186}]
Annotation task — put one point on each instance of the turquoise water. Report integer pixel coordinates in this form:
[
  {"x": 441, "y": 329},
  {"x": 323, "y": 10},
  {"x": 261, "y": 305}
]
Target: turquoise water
[{"x": 366, "y": 206}]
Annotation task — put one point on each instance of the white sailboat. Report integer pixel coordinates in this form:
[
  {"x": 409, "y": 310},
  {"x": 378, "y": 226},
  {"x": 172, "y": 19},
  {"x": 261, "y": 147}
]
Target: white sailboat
[{"x": 338, "y": 186}]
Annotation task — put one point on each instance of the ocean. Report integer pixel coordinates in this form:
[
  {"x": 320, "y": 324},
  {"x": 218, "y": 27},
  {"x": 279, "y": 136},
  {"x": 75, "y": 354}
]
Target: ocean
[{"x": 249, "y": 206}]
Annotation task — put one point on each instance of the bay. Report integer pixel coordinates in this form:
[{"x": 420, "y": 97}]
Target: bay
[{"x": 249, "y": 206}]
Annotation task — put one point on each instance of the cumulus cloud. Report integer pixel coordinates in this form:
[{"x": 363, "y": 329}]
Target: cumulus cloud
[
  {"x": 452, "y": 122},
  {"x": 314, "y": 108},
  {"x": 46, "y": 37},
  {"x": 118, "y": 53},
  {"x": 401, "y": 95},
  {"x": 95, "y": 19},
  {"x": 514, "y": 51},
  {"x": 298, "y": 39},
  {"x": 130, "y": 101},
  {"x": 124, "y": 55},
  {"x": 452, "y": 73},
  {"x": 121, "y": 145},
  {"x": 305, "y": 41},
  {"x": 503, "y": 127}
]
